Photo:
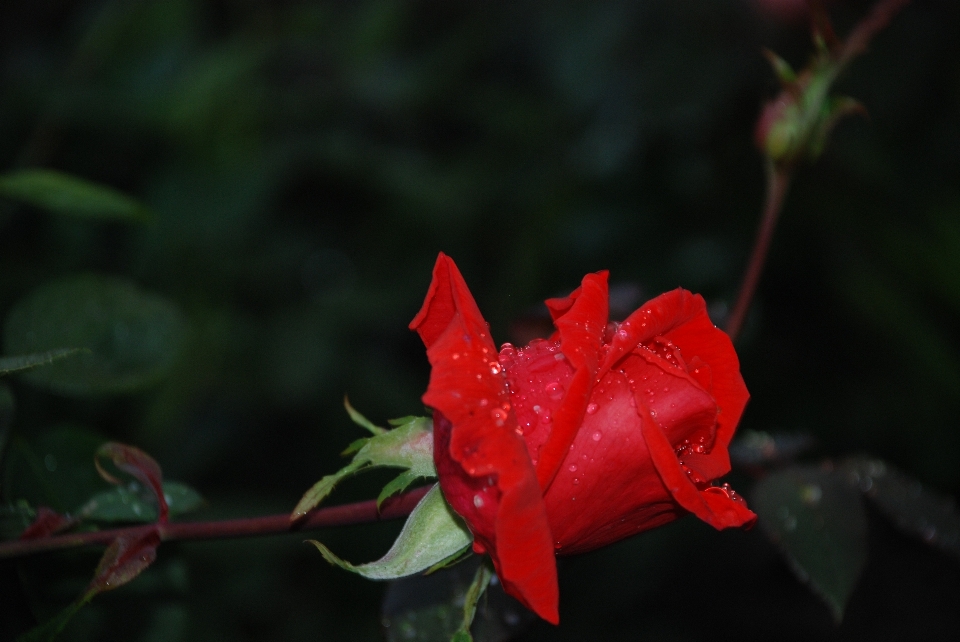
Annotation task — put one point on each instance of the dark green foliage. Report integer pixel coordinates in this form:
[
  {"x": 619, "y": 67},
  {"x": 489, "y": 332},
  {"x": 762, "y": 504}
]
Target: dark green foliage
[{"x": 303, "y": 162}]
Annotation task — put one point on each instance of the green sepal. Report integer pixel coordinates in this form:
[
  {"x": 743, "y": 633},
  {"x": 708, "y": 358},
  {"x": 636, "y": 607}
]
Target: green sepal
[
  {"x": 460, "y": 556},
  {"x": 355, "y": 446},
  {"x": 408, "y": 446},
  {"x": 781, "y": 67},
  {"x": 433, "y": 533},
  {"x": 481, "y": 580},
  {"x": 397, "y": 485},
  {"x": 362, "y": 421},
  {"x": 837, "y": 107}
]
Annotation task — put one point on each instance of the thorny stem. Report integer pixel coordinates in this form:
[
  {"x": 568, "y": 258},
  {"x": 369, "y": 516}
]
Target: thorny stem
[
  {"x": 778, "y": 181},
  {"x": 345, "y": 515}
]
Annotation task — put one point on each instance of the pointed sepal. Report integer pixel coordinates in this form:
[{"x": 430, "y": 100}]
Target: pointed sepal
[
  {"x": 433, "y": 533},
  {"x": 408, "y": 446}
]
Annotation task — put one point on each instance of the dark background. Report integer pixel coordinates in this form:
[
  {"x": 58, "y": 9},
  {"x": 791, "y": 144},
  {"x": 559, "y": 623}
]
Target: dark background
[{"x": 306, "y": 161}]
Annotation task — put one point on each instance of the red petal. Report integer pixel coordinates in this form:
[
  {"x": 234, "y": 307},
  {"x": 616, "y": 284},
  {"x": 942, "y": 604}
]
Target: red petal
[
  {"x": 447, "y": 297},
  {"x": 719, "y": 512},
  {"x": 580, "y": 319},
  {"x": 468, "y": 387},
  {"x": 681, "y": 317},
  {"x": 699, "y": 338}
]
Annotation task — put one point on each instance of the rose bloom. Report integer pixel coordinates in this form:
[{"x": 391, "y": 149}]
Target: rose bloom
[{"x": 602, "y": 431}]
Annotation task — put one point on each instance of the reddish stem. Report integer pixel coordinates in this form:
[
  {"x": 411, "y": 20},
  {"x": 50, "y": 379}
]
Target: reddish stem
[
  {"x": 778, "y": 181},
  {"x": 347, "y": 514},
  {"x": 858, "y": 39}
]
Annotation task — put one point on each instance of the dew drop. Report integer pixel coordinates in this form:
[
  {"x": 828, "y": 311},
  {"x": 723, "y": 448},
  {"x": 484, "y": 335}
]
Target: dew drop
[
  {"x": 545, "y": 416},
  {"x": 478, "y": 501},
  {"x": 554, "y": 390},
  {"x": 591, "y": 408},
  {"x": 573, "y": 468},
  {"x": 597, "y": 435},
  {"x": 499, "y": 416},
  {"x": 576, "y": 481}
]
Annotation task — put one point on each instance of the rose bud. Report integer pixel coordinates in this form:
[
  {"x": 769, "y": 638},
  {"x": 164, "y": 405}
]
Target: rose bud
[{"x": 602, "y": 431}]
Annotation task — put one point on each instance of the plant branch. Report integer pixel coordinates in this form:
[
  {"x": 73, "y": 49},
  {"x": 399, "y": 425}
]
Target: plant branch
[
  {"x": 858, "y": 39},
  {"x": 345, "y": 515},
  {"x": 778, "y": 182}
]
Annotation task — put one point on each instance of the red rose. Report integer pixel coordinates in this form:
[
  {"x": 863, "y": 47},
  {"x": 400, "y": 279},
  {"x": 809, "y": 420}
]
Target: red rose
[{"x": 571, "y": 443}]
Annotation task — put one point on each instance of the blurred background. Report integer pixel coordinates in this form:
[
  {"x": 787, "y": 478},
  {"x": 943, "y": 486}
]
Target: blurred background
[{"x": 304, "y": 162}]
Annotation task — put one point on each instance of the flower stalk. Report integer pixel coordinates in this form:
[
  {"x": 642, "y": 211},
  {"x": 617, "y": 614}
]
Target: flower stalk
[{"x": 344, "y": 515}]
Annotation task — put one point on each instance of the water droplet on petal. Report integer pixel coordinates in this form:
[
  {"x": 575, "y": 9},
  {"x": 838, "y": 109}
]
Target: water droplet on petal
[
  {"x": 597, "y": 435},
  {"x": 591, "y": 408},
  {"x": 554, "y": 390},
  {"x": 573, "y": 468},
  {"x": 575, "y": 481},
  {"x": 478, "y": 501}
]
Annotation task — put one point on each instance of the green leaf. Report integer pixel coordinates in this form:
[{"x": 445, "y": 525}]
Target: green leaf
[
  {"x": 133, "y": 503},
  {"x": 64, "y": 194},
  {"x": 818, "y": 519},
  {"x": 397, "y": 485},
  {"x": 133, "y": 337},
  {"x": 433, "y": 533},
  {"x": 914, "y": 508},
  {"x": 362, "y": 421},
  {"x": 409, "y": 446},
  {"x": 28, "y": 361},
  {"x": 54, "y": 468}
]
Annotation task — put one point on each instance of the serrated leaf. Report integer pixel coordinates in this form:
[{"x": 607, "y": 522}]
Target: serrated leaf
[
  {"x": 362, "y": 421},
  {"x": 818, "y": 520},
  {"x": 64, "y": 194},
  {"x": 134, "y": 337},
  {"x": 131, "y": 503},
  {"x": 354, "y": 446},
  {"x": 397, "y": 485},
  {"x": 914, "y": 508},
  {"x": 409, "y": 446},
  {"x": 432, "y": 533},
  {"x": 21, "y": 362}
]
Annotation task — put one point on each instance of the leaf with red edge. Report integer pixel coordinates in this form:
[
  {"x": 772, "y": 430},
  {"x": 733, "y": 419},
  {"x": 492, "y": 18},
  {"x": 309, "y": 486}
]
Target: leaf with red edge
[
  {"x": 47, "y": 522},
  {"x": 140, "y": 465},
  {"x": 123, "y": 560}
]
